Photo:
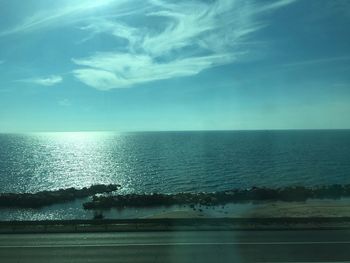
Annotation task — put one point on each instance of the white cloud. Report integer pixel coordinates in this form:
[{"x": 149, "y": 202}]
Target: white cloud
[
  {"x": 99, "y": 79},
  {"x": 155, "y": 39},
  {"x": 110, "y": 70},
  {"x": 174, "y": 40},
  {"x": 46, "y": 81}
]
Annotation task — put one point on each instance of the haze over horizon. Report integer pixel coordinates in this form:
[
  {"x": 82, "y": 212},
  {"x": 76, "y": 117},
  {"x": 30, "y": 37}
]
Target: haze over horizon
[{"x": 120, "y": 65}]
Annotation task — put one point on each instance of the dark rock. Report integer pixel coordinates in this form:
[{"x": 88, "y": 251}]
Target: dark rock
[
  {"x": 44, "y": 198},
  {"x": 292, "y": 193}
]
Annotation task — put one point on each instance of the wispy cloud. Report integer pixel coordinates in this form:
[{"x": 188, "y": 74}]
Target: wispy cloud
[
  {"x": 2, "y": 62},
  {"x": 64, "y": 13},
  {"x": 174, "y": 40},
  {"x": 317, "y": 61},
  {"x": 155, "y": 39},
  {"x": 277, "y": 4},
  {"x": 45, "y": 81},
  {"x": 116, "y": 70}
]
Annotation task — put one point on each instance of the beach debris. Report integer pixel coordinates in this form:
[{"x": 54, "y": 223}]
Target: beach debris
[{"x": 98, "y": 215}]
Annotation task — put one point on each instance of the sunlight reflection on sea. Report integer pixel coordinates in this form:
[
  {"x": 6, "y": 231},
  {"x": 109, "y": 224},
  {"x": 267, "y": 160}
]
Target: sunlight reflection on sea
[{"x": 171, "y": 162}]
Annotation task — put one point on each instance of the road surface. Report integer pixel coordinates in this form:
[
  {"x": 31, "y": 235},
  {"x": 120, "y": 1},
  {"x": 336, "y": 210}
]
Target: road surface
[{"x": 182, "y": 246}]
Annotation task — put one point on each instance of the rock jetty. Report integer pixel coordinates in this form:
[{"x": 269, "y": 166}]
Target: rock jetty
[
  {"x": 294, "y": 193},
  {"x": 44, "y": 198}
]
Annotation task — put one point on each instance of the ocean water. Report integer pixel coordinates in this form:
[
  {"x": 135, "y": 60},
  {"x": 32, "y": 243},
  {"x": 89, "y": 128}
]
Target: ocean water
[{"x": 170, "y": 162}]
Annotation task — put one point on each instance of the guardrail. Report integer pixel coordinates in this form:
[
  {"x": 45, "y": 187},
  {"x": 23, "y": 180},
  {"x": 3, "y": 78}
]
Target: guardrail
[{"x": 195, "y": 224}]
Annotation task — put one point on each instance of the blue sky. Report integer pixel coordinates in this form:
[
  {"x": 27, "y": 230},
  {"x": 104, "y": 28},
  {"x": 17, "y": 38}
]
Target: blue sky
[{"x": 86, "y": 65}]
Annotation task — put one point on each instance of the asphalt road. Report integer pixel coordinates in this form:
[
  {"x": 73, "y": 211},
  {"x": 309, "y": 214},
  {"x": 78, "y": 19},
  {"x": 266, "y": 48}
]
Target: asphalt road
[{"x": 182, "y": 246}]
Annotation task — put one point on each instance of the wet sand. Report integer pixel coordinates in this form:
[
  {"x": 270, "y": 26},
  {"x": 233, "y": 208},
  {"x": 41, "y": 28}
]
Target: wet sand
[{"x": 311, "y": 208}]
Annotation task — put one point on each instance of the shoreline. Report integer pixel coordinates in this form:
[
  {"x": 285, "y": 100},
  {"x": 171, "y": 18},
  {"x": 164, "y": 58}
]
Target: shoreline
[
  {"x": 248, "y": 203},
  {"x": 263, "y": 209}
]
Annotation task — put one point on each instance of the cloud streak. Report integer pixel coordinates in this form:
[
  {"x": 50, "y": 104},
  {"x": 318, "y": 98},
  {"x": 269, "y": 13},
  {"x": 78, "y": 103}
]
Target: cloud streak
[
  {"x": 317, "y": 61},
  {"x": 46, "y": 81},
  {"x": 67, "y": 12},
  {"x": 174, "y": 40}
]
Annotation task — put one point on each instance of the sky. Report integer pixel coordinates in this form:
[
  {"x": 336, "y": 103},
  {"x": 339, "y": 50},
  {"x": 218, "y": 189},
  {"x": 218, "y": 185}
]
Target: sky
[{"x": 141, "y": 65}]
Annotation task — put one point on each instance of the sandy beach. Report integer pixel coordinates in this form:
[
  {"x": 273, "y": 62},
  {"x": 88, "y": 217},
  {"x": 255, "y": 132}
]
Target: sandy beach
[{"x": 311, "y": 208}]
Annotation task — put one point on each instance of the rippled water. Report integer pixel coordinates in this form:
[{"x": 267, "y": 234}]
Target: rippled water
[{"x": 173, "y": 161}]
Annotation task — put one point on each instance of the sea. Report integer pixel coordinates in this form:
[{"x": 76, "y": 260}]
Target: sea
[{"x": 171, "y": 162}]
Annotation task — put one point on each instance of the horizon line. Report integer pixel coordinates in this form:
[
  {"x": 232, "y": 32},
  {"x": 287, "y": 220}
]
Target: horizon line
[{"x": 189, "y": 130}]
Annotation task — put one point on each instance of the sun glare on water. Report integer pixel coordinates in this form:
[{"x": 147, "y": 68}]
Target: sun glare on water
[{"x": 77, "y": 159}]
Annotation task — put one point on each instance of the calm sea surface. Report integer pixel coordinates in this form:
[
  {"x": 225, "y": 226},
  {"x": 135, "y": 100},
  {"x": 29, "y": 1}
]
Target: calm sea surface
[{"x": 172, "y": 162}]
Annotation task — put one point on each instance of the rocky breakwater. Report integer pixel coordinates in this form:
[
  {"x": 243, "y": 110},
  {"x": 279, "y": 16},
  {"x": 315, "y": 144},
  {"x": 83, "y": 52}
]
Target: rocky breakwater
[
  {"x": 294, "y": 193},
  {"x": 45, "y": 198}
]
